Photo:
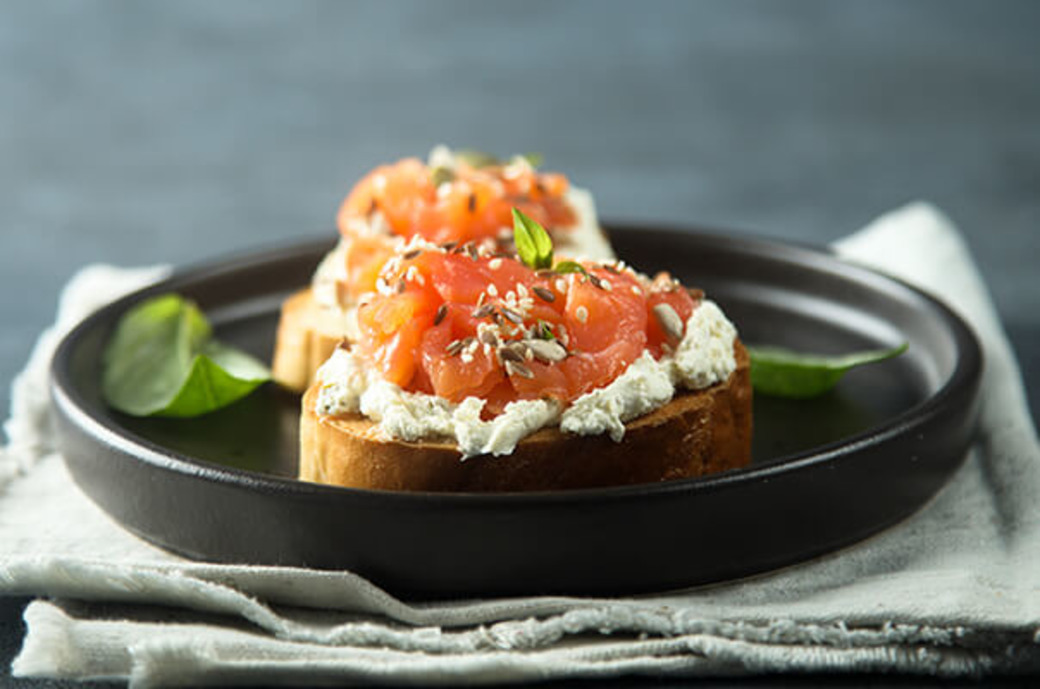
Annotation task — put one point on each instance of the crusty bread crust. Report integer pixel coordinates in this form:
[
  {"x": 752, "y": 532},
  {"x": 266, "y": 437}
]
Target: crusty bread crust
[
  {"x": 696, "y": 433},
  {"x": 307, "y": 336}
]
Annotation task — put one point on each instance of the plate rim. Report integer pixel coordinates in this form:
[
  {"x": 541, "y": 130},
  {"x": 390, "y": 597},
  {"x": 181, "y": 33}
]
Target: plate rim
[{"x": 964, "y": 379}]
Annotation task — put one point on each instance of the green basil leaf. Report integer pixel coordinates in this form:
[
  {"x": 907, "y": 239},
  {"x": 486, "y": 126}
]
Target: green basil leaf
[
  {"x": 162, "y": 361},
  {"x": 439, "y": 175},
  {"x": 477, "y": 158},
  {"x": 533, "y": 243},
  {"x": 564, "y": 267},
  {"x": 783, "y": 373},
  {"x": 535, "y": 160},
  {"x": 524, "y": 242},
  {"x": 543, "y": 244}
]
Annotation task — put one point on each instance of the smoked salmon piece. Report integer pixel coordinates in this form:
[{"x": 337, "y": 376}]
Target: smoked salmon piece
[
  {"x": 443, "y": 205},
  {"x": 464, "y": 322},
  {"x": 465, "y": 203}
]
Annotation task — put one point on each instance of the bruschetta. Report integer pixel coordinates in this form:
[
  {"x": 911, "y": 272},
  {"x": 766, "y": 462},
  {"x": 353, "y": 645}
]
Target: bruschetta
[{"x": 472, "y": 371}]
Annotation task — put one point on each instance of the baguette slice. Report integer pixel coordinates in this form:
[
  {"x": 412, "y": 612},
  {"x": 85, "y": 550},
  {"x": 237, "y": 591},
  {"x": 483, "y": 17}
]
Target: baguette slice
[
  {"x": 307, "y": 335},
  {"x": 696, "y": 433}
]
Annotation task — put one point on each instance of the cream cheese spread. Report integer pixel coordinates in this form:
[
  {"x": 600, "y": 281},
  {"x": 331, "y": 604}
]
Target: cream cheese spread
[
  {"x": 586, "y": 239},
  {"x": 331, "y": 270},
  {"x": 644, "y": 386},
  {"x": 348, "y": 384},
  {"x": 704, "y": 357}
]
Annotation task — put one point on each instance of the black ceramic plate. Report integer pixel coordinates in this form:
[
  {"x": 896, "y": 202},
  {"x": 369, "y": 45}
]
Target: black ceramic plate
[{"x": 825, "y": 474}]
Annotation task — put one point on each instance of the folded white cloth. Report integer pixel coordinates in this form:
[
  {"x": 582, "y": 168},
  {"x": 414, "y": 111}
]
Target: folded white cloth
[{"x": 953, "y": 590}]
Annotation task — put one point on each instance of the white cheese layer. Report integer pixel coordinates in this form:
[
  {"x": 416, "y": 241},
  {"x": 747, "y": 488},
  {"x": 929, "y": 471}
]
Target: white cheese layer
[
  {"x": 703, "y": 358},
  {"x": 586, "y": 239},
  {"x": 331, "y": 270},
  {"x": 644, "y": 386},
  {"x": 350, "y": 385}
]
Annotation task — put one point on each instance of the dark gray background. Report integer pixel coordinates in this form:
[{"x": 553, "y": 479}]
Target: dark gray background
[{"x": 159, "y": 132}]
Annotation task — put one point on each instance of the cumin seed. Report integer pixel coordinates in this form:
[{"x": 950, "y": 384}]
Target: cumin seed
[
  {"x": 543, "y": 293},
  {"x": 509, "y": 353},
  {"x": 442, "y": 311},
  {"x": 512, "y": 315},
  {"x": 516, "y": 368}
]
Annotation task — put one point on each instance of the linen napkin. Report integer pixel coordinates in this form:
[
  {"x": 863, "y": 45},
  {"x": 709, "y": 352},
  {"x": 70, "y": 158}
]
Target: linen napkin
[{"x": 954, "y": 590}]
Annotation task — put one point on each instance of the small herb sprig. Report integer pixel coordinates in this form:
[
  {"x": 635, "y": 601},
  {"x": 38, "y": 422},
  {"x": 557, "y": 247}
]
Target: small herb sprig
[
  {"x": 535, "y": 247},
  {"x": 480, "y": 159},
  {"x": 475, "y": 158},
  {"x": 564, "y": 267},
  {"x": 533, "y": 243},
  {"x": 544, "y": 330}
]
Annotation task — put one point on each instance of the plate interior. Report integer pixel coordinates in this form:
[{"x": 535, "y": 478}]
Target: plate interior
[{"x": 825, "y": 472}]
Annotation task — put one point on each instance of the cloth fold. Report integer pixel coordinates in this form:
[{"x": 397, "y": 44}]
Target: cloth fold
[{"x": 953, "y": 590}]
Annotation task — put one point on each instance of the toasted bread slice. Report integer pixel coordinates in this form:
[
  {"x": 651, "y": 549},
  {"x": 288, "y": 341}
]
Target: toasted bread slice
[
  {"x": 307, "y": 335},
  {"x": 696, "y": 433}
]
